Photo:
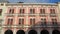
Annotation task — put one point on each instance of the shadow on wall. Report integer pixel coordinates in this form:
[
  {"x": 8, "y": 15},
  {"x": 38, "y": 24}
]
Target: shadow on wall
[
  {"x": 44, "y": 25},
  {"x": 33, "y": 31}
]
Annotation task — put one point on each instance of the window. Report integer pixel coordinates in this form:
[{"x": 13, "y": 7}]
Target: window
[
  {"x": 32, "y": 21},
  {"x": 2, "y": 4},
  {"x": 43, "y": 21},
  {"x": 21, "y": 21},
  {"x": 11, "y": 11},
  {"x": 54, "y": 21},
  {"x": 1, "y": 20},
  {"x": 52, "y": 11},
  {"x": 32, "y": 11},
  {"x": 42, "y": 11},
  {"x": 0, "y": 11},
  {"x": 22, "y": 11},
  {"x": 10, "y": 21}
]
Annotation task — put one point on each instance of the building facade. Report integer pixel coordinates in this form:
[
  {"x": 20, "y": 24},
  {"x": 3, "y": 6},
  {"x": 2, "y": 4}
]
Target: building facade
[{"x": 30, "y": 18}]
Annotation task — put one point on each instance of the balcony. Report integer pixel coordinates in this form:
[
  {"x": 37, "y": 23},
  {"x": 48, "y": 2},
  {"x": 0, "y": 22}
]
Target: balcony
[
  {"x": 53, "y": 15},
  {"x": 43, "y": 15},
  {"x": 21, "y": 15},
  {"x": 9, "y": 14},
  {"x": 32, "y": 14}
]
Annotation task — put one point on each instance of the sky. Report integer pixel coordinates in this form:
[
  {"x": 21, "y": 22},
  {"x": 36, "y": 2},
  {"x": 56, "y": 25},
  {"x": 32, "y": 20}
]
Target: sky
[{"x": 35, "y": 1}]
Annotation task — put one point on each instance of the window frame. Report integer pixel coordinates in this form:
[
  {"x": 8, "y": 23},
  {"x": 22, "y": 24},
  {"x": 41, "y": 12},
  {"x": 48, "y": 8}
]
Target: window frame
[
  {"x": 21, "y": 21},
  {"x": 0, "y": 11},
  {"x": 54, "y": 21},
  {"x": 42, "y": 11},
  {"x": 43, "y": 21},
  {"x": 21, "y": 11},
  {"x": 10, "y": 21},
  {"x": 11, "y": 11},
  {"x": 32, "y": 11},
  {"x": 52, "y": 11},
  {"x": 32, "y": 21}
]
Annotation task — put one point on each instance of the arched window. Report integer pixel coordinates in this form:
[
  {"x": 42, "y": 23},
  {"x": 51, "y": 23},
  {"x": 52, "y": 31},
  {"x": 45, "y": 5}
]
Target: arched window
[
  {"x": 8, "y": 32},
  {"x": 44, "y": 32},
  {"x": 20, "y": 32},
  {"x": 56, "y": 32},
  {"x": 32, "y": 32}
]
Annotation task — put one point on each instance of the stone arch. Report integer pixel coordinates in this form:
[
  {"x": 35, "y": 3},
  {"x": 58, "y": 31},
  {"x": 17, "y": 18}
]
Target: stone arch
[
  {"x": 55, "y": 32},
  {"x": 8, "y": 32},
  {"x": 32, "y": 32},
  {"x": 20, "y": 32},
  {"x": 44, "y": 32}
]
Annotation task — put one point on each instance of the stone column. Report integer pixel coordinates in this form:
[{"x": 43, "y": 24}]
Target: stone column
[
  {"x": 59, "y": 10},
  {"x": 0, "y": 29},
  {"x": 14, "y": 31},
  {"x": 50, "y": 31},
  {"x": 38, "y": 31},
  {"x": 26, "y": 32}
]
